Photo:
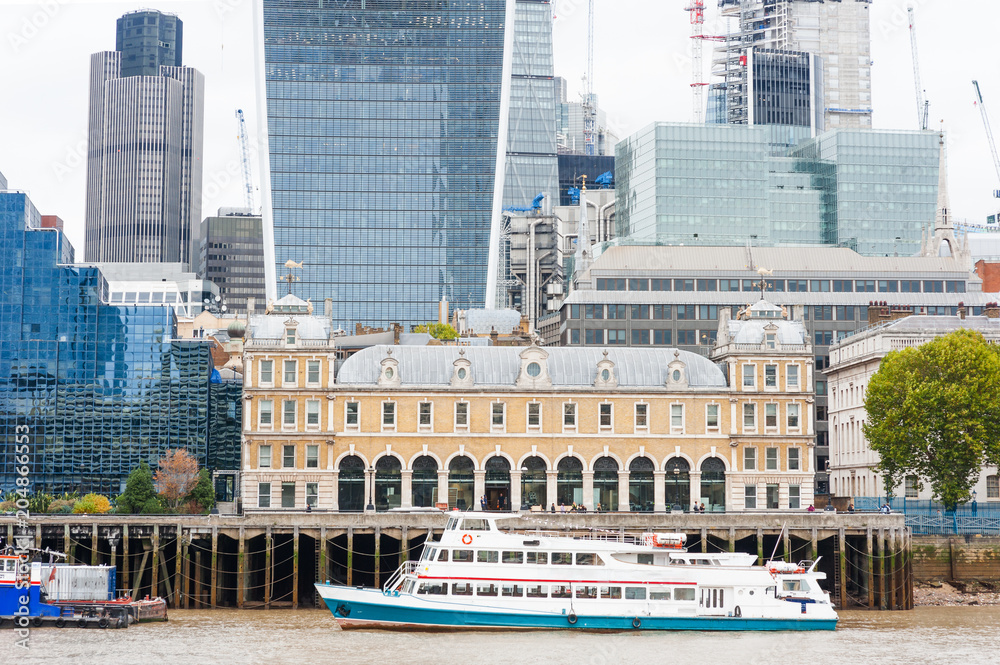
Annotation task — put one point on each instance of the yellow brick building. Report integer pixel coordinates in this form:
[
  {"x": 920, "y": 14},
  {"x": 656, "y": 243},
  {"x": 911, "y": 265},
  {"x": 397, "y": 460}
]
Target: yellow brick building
[{"x": 525, "y": 427}]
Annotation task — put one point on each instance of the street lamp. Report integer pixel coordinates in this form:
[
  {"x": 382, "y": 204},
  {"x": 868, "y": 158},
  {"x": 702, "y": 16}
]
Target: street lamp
[{"x": 371, "y": 494}]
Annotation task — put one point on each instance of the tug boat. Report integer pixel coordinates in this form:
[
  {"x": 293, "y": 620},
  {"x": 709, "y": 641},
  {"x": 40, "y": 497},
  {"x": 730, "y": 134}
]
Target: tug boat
[{"x": 478, "y": 576}]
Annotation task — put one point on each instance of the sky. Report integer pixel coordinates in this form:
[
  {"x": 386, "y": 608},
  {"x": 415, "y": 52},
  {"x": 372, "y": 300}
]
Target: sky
[{"x": 642, "y": 72}]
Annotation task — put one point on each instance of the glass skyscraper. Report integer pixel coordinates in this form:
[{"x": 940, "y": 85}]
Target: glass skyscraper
[
  {"x": 387, "y": 136},
  {"x": 95, "y": 388},
  {"x": 871, "y": 190}
]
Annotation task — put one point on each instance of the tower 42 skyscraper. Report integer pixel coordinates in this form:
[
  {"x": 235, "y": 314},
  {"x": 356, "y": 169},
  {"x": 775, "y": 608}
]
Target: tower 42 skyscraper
[{"x": 386, "y": 144}]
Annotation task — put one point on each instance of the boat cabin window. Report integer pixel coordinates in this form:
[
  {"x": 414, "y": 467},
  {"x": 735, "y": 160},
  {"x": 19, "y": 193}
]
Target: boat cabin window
[
  {"x": 635, "y": 593},
  {"x": 645, "y": 558},
  {"x": 712, "y": 598},
  {"x": 791, "y": 585},
  {"x": 562, "y": 558},
  {"x": 461, "y": 589},
  {"x": 475, "y": 525},
  {"x": 513, "y": 557},
  {"x": 429, "y": 554},
  {"x": 685, "y": 594},
  {"x": 486, "y": 589},
  {"x": 661, "y": 594},
  {"x": 611, "y": 592},
  {"x": 512, "y": 590},
  {"x": 11, "y": 565},
  {"x": 432, "y": 589},
  {"x": 540, "y": 558},
  {"x": 487, "y": 556},
  {"x": 538, "y": 591},
  {"x": 586, "y": 592},
  {"x": 461, "y": 556},
  {"x": 561, "y": 591},
  {"x": 443, "y": 556},
  {"x": 588, "y": 559},
  {"x": 408, "y": 586},
  {"x": 678, "y": 562},
  {"x": 452, "y": 524}
]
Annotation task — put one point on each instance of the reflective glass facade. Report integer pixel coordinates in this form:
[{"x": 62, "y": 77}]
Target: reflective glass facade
[
  {"x": 96, "y": 388},
  {"x": 383, "y": 120},
  {"x": 872, "y": 191},
  {"x": 232, "y": 257}
]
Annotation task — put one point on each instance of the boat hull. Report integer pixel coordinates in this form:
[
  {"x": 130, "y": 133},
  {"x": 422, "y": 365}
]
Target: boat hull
[{"x": 369, "y": 608}]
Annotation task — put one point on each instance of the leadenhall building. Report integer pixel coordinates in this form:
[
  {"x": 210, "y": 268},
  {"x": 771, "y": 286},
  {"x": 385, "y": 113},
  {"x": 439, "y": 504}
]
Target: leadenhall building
[{"x": 529, "y": 428}]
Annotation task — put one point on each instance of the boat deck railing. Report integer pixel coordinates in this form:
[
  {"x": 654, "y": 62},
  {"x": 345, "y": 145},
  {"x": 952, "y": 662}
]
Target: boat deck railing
[
  {"x": 393, "y": 583},
  {"x": 598, "y": 535}
]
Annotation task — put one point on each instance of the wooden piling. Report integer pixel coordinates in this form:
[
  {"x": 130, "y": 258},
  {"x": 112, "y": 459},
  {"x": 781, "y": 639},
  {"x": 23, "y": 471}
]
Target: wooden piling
[
  {"x": 760, "y": 545},
  {"x": 178, "y": 567},
  {"x": 378, "y": 552},
  {"x": 241, "y": 570},
  {"x": 70, "y": 543},
  {"x": 187, "y": 572},
  {"x": 268, "y": 544},
  {"x": 404, "y": 545},
  {"x": 842, "y": 562},
  {"x": 814, "y": 544},
  {"x": 198, "y": 600},
  {"x": 870, "y": 568},
  {"x": 93, "y": 545},
  {"x": 882, "y": 602},
  {"x": 215, "y": 567},
  {"x": 295, "y": 568},
  {"x": 166, "y": 579},
  {"x": 787, "y": 546},
  {"x": 154, "y": 587},
  {"x": 732, "y": 539},
  {"x": 125, "y": 556},
  {"x": 350, "y": 556},
  {"x": 138, "y": 575}
]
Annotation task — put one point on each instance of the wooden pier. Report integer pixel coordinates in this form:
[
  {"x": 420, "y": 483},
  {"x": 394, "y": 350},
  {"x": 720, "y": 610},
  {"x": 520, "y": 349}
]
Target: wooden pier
[{"x": 271, "y": 560}]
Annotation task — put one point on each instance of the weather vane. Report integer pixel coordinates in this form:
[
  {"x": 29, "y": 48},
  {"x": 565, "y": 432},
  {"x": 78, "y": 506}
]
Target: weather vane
[
  {"x": 763, "y": 283},
  {"x": 291, "y": 277}
]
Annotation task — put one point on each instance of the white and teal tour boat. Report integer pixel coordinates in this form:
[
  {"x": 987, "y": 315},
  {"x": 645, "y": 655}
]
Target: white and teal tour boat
[{"x": 481, "y": 577}]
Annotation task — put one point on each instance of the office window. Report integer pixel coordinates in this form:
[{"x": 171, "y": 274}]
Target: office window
[
  {"x": 823, "y": 337},
  {"x": 729, "y": 285},
  {"x": 575, "y": 311},
  {"x": 749, "y": 376},
  {"x": 823, "y": 313},
  {"x": 266, "y": 413},
  {"x": 707, "y": 285},
  {"x": 290, "y": 372},
  {"x": 534, "y": 415},
  {"x": 770, "y": 459},
  {"x": 687, "y": 337},
  {"x": 749, "y": 416},
  {"x": 749, "y": 459},
  {"x": 312, "y": 457},
  {"x": 288, "y": 495},
  {"x": 312, "y": 372},
  {"x": 708, "y": 312},
  {"x": 750, "y": 285},
  {"x": 425, "y": 415},
  {"x": 822, "y": 362},
  {"x": 708, "y": 337},
  {"x": 677, "y": 418},
  {"x": 770, "y": 415},
  {"x": 794, "y": 460},
  {"x": 617, "y": 311},
  {"x": 638, "y": 285},
  {"x": 792, "y": 411},
  {"x": 461, "y": 415},
  {"x": 616, "y": 336},
  {"x": 640, "y": 312},
  {"x": 821, "y": 387},
  {"x": 659, "y": 285},
  {"x": 641, "y": 416},
  {"x": 569, "y": 415},
  {"x": 574, "y": 336},
  {"x": 498, "y": 415},
  {"x": 933, "y": 286},
  {"x": 888, "y": 286},
  {"x": 794, "y": 497},
  {"x": 712, "y": 416},
  {"x": 352, "y": 417},
  {"x": 594, "y": 311},
  {"x": 264, "y": 457},
  {"x": 865, "y": 285},
  {"x": 683, "y": 285},
  {"x": 843, "y": 286},
  {"x": 312, "y": 494},
  {"x": 954, "y": 287},
  {"x": 772, "y": 496},
  {"x": 662, "y": 337},
  {"x": 263, "y": 495},
  {"x": 819, "y": 285},
  {"x": 798, "y": 285},
  {"x": 266, "y": 372},
  {"x": 312, "y": 413},
  {"x": 640, "y": 338},
  {"x": 288, "y": 457},
  {"x": 821, "y": 413},
  {"x": 610, "y": 284},
  {"x": 750, "y": 496},
  {"x": 776, "y": 285},
  {"x": 661, "y": 312},
  {"x": 388, "y": 415},
  {"x": 685, "y": 312},
  {"x": 288, "y": 409},
  {"x": 792, "y": 377},
  {"x": 845, "y": 312},
  {"x": 909, "y": 286},
  {"x": 595, "y": 337},
  {"x": 605, "y": 413},
  {"x": 770, "y": 376}
]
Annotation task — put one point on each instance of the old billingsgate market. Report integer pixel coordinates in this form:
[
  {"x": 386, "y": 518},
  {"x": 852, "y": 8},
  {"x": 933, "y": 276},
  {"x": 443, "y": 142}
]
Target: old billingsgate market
[{"x": 335, "y": 322}]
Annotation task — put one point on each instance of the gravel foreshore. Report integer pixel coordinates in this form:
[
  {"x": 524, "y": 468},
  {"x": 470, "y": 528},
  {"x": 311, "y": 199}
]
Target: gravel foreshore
[{"x": 957, "y": 593}]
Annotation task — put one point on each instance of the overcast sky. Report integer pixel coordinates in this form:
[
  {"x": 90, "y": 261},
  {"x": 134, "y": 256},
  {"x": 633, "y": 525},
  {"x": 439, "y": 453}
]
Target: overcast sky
[{"x": 642, "y": 74}]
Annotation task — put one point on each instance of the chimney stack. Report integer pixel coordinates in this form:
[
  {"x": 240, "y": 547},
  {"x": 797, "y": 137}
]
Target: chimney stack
[
  {"x": 328, "y": 309},
  {"x": 251, "y": 305}
]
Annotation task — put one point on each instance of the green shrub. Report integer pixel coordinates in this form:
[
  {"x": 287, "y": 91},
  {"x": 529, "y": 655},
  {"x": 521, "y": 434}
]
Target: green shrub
[
  {"x": 92, "y": 504},
  {"x": 62, "y": 506}
]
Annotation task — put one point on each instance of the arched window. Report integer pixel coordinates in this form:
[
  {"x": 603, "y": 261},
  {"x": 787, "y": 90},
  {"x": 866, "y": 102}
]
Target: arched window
[
  {"x": 425, "y": 481},
  {"x": 713, "y": 484},
  {"x": 533, "y": 485},
  {"x": 606, "y": 483},
  {"x": 461, "y": 483},
  {"x": 351, "y": 484},
  {"x": 388, "y": 483},
  {"x": 497, "y": 483},
  {"x": 678, "y": 484},
  {"x": 569, "y": 481},
  {"x": 640, "y": 485}
]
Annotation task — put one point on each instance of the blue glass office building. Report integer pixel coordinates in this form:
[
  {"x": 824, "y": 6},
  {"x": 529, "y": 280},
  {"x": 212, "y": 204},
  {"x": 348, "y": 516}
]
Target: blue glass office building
[
  {"x": 95, "y": 388},
  {"x": 383, "y": 123},
  {"x": 874, "y": 191}
]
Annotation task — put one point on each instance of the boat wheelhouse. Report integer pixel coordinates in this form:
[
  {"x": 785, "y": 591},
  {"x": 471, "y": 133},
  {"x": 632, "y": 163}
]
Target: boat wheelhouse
[{"x": 478, "y": 576}]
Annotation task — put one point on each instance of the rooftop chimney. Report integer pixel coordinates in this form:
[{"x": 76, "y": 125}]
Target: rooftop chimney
[{"x": 251, "y": 305}]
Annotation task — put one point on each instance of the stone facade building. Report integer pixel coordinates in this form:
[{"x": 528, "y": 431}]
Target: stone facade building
[{"x": 529, "y": 427}]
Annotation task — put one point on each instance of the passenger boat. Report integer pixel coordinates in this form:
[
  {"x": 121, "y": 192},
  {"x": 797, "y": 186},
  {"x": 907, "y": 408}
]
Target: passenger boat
[{"x": 478, "y": 576}]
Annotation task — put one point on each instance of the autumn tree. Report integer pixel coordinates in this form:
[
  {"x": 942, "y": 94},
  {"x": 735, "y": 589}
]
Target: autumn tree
[
  {"x": 176, "y": 475},
  {"x": 441, "y": 331},
  {"x": 933, "y": 414}
]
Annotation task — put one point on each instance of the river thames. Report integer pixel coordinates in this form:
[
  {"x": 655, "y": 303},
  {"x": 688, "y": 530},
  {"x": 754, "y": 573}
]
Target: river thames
[{"x": 281, "y": 637}]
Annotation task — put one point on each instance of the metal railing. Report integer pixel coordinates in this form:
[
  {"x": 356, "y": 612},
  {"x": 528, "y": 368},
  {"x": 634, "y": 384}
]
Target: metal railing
[
  {"x": 394, "y": 582},
  {"x": 926, "y": 517}
]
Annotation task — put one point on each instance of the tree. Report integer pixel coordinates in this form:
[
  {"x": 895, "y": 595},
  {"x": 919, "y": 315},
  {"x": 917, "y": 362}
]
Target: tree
[
  {"x": 176, "y": 475},
  {"x": 203, "y": 494},
  {"x": 437, "y": 330},
  {"x": 138, "y": 490},
  {"x": 92, "y": 504},
  {"x": 933, "y": 414}
]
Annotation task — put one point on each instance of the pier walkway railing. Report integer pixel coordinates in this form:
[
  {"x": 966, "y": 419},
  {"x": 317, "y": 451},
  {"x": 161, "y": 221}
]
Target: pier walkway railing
[{"x": 931, "y": 518}]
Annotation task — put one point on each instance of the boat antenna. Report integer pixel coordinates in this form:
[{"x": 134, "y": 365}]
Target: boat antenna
[{"x": 780, "y": 533}]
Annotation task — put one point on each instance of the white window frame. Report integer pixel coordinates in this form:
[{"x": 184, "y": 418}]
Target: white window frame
[
  {"x": 312, "y": 498},
  {"x": 575, "y": 415},
  {"x": 793, "y": 386},
  {"x": 641, "y": 428},
  {"x": 717, "y": 427},
  {"x": 311, "y": 448},
  {"x": 389, "y": 427},
  {"x": 995, "y": 494},
  {"x": 797, "y": 458},
  {"x": 260, "y": 373},
  {"x": 753, "y": 378},
  {"x": 260, "y": 410},
  {"x": 910, "y": 490},
  {"x": 319, "y": 373},
  {"x": 319, "y": 417},
  {"x": 752, "y": 428},
  {"x": 749, "y": 495},
  {"x": 295, "y": 414},
  {"x": 468, "y": 416},
  {"x": 768, "y": 459},
  {"x": 502, "y": 426},
  {"x": 753, "y": 457},
  {"x": 429, "y": 426},
  {"x": 260, "y": 456},
  {"x": 794, "y": 498},
  {"x": 284, "y": 448},
  {"x": 352, "y": 427},
  {"x": 777, "y": 416},
  {"x": 610, "y": 427},
  {"x": 674, "y": 429},
  {"x": 527, "y": 416},
  {"x": 284, "y": 373},
  {"x": 788, "y": 417},
  {"x": 291, "y": 334},
  {"x": 263, "y": 498},
  {"x": 777, "y": 381}
]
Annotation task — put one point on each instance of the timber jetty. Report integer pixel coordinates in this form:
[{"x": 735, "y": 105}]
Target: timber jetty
[{"x": 271, "y": 560}]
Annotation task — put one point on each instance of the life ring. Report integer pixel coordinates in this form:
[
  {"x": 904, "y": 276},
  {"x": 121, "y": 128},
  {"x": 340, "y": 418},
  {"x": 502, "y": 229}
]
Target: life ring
[
  {"x": 81, "y": 622},
  {"x": 36, "y": 621},
  {"x": 466, "y": 539},
  {"x": 737, "y": 612},
  {"x": 60, "y": 622},
  {"x": 103, "y": 622},
  {"x": 636, "y": 622},
  {"x": 571, "y": 618},
  {"x": 800, "y": 570}
]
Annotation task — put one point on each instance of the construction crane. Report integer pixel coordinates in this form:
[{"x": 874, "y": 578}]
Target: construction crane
[
  {"x": 923, "y": 104},
  {"x": 589, "y": 107},
  {"x": 989, "y": 133},
  {"x": 241, "y": 128},
  {"x": 697, "y": 13}
]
